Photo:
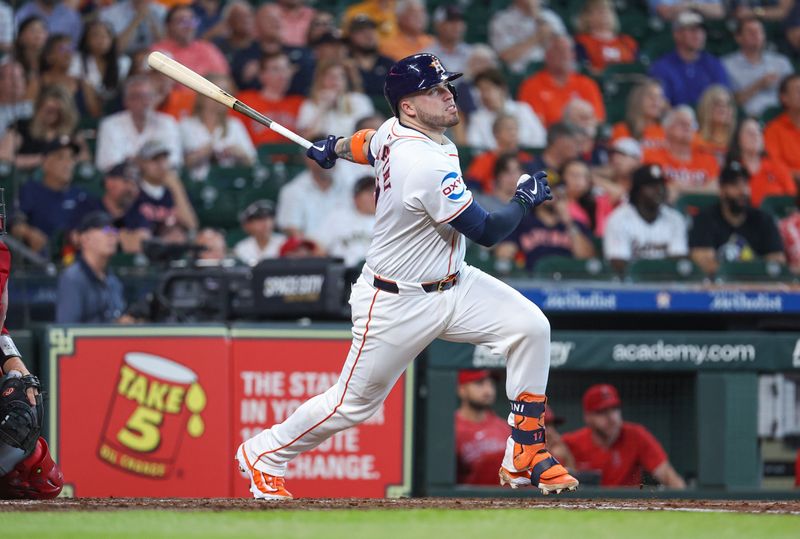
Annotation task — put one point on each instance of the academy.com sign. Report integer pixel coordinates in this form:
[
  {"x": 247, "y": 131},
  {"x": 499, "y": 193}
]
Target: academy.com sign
[{"x": 696, "y": 354}]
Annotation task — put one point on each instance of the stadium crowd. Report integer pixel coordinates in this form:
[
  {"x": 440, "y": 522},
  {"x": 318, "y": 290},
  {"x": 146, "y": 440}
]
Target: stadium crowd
[{"x": 669, "y": 129}]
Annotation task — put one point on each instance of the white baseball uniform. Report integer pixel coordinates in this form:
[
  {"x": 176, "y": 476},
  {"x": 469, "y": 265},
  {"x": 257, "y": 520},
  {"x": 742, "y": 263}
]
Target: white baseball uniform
[{"x": 419, "y": 190}]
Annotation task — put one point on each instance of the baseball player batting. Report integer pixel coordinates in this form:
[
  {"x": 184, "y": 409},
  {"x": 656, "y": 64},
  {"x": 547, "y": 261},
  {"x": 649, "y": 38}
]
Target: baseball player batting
[{"x": 415, "y": 287}]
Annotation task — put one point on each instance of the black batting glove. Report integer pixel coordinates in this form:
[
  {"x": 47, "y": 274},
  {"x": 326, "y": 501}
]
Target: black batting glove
[
  {"x": 324, "y": 151},
  {"x": 533, "y": 190}
]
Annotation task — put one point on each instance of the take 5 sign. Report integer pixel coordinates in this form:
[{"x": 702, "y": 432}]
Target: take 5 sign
[
  {"x": 141, "y": 411},
  {"x": 159, "y": 412}
]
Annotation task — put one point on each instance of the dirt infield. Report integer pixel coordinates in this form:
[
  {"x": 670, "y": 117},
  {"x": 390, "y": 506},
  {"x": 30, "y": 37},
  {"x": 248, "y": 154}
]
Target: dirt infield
[{"x": 240, "y": 504}]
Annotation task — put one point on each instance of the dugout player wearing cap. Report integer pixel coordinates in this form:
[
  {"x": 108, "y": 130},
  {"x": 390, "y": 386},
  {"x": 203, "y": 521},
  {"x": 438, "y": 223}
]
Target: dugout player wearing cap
[
  {"x": 618, "y": 449},
  {"x": 27, "y": 470},
  {"x": 415, "y": 287}
]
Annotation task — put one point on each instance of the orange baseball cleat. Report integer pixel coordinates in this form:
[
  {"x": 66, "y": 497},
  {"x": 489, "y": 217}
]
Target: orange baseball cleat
[
  {"x": 263, "y": 485},
  {"x": 532, "y": 462}
]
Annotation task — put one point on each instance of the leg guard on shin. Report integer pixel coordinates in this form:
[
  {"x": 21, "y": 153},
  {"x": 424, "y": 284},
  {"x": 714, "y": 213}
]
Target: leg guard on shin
[{"x": 530, "y": 454}]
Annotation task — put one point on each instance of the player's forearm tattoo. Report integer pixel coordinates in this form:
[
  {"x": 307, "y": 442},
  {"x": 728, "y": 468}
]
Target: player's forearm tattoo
[{"x": 343, "y": 148}]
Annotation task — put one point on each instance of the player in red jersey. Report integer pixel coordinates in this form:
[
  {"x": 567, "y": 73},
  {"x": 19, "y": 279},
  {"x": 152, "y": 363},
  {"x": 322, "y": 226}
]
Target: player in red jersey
[{"x": 620, "y": 450}]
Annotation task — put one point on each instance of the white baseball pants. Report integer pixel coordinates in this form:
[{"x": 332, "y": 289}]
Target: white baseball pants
[{"x": 389, "y": 331}]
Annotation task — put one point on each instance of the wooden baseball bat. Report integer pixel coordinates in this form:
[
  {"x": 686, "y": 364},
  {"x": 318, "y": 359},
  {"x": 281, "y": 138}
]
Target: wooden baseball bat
[{"x": 179, "y": 72}]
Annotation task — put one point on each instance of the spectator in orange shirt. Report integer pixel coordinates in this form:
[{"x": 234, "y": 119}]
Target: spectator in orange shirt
[
  {"x": 646, "y": 107},
  {"x": 716, "y": 115},
  {"x": 506, "y": 134},
  {"x": 687, "y": 170},
  {"x": 410, "y": 38},
  {"x": 553, "y": 87},
  {"x": 272, "y": 100},
  {"x": 598, "y": 38},
  {"x": 768, "y": 177},
  {"x": 182, "y": 44},
  {"x": 782, "y": 135}
]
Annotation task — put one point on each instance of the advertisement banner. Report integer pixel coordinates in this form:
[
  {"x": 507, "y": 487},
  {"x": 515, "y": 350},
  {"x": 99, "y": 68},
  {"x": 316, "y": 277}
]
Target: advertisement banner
[
  {"x": 644, "y": 351},
  {"x": 141, "y": 411},
  {"x": 274, "y": 376}
]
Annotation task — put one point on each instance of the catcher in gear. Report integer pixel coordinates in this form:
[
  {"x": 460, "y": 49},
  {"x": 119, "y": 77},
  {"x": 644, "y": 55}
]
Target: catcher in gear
[{"x": 27, "y": 470}]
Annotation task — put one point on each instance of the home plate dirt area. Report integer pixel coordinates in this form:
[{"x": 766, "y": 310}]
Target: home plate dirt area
[{"x": 242, "y": 504}]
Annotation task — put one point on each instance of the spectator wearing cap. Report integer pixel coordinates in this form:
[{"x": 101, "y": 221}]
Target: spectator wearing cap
[
  {"x": 687, "y": 169},
  {"x": 46, "y": 206},
  {"x": 624, "y": 156},
  {"x": 59, "y": 17},
  {"x": 564, "y": 141},
  {"x": 272, "y": 100},
  {"x": 549, "y": 90},
  {"x": 181, "y": 43},
  {"x": 262, "y": 242},
  {"x": 335, "y": 102},
  {"x": 493, "y": 90},
  {"x": 410, "y": 38},
  {"x": 211, "y": 136},
  {"x": 238, "y": 18},
  {"x": 449, "y": 46},
  {"x": 768, "y": 176},
  {"x": 782, "y": 134},
  {"x": 732, "y": 230},
  {"x": 120, "y": 193},
  {"x": 505, "y": 131},
  {"x": 330, "y": 47},
  {"x": 669, "y": 10},
  {"x": 246, "y": 63},
  {"x": 380, "y": 11},
  {"x": 644, "y": 228},
  {"x": 121, "y": 135},
  {"x": 297, "y": 20},
  {"x": 688, "y": 70},
  {"x": 549, "y": 230},
  {"x": 346, "y": 232},
  {"x": 136, "y": 23},
  {"x": 88, "y": 291},
  {"x": 754, "y": 71},
  {"x": 162, "y": 197},
  {"x": 521, "y": 33},
  {"x": 643, "y": 114},
  {"x": 598, "y": 37},
  {"x": 306, "y": 200},
  {"x": 362, "y": 38},
  {"x": 297, "y": 247},
  {"x": 481, "y": 435},
  {"x": 620, "y": 450}
]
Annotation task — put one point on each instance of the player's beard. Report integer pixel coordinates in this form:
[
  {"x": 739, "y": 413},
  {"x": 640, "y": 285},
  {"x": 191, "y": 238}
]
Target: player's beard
[
  {"x": 443, "y": 120},
  {"x": 478, "y": 405}
]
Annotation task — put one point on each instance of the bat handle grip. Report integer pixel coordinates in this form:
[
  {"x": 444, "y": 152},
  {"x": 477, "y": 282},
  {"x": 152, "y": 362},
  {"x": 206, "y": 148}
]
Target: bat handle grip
[{"x": 291, "y": 135}]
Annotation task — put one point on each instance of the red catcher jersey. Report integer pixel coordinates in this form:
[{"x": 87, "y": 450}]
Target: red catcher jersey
[
  {"x": 480, "y": 447},
  {"x": 621, "y": 465},
  {"x": 5, "y": 269}
]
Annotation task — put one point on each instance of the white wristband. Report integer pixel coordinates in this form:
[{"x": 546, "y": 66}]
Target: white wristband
[{"x": 8, "y": 347}]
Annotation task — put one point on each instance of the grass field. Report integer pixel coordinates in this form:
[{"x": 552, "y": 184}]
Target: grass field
[{"x": 405, "y": 524}]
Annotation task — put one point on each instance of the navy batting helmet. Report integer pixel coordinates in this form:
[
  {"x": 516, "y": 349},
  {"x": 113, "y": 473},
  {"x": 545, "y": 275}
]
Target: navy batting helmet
[{"x": 415, "y": 73}]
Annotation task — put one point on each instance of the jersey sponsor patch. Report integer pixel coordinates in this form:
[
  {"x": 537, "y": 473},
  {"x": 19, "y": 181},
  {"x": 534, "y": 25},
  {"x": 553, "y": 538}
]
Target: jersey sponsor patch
[{"x": 453, "y": 186}]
